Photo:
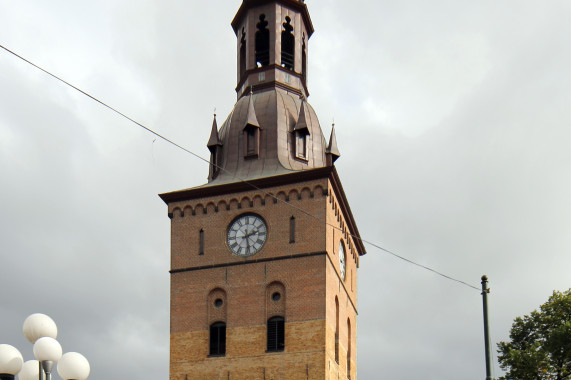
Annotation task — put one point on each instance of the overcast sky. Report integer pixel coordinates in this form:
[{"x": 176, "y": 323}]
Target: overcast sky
[{"x": 453, "y": 119}]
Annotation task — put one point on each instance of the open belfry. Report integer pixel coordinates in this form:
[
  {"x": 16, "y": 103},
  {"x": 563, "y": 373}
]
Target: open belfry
[{"x": 264, "y": 256}]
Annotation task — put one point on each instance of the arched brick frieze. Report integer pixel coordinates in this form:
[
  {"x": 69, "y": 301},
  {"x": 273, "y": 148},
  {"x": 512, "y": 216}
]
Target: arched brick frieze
[
  {"x": 270, "y": 198},
  {"x": 319, "y": 191},
  {"x": 258, "y": 200},
  {"x": 177, "y": 213},
  {"x": 293, "y": 194},
  {"x": 306, "y": 193},
  {"x": 199, "y": 209},
  {"x": 234, "y": 204},
  {"x": 211, "y": 207},
  {"x": 222, "y": 205},
  {"x": 246, "y": 202},
  {"x": 282, "y": 196}
]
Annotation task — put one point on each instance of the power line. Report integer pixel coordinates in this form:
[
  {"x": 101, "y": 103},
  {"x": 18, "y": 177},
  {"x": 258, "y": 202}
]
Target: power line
[{"x": 240, "y": 179}]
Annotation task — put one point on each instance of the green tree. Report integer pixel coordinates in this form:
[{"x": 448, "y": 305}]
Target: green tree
[{"x": 540, "y": 346}]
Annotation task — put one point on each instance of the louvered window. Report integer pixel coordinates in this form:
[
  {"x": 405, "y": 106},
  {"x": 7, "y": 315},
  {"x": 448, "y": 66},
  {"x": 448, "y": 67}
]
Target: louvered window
[
  {"x": 276, "y": 334},
  {"x": 288, "y": 45},
  {"x": 218, "y": 339},
  {"x": 262, "y": 42}
]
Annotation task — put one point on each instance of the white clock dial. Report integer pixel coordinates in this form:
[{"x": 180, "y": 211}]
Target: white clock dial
[
  {"x": 342, "y": 259},
  {"x": 246, "y": 235}
]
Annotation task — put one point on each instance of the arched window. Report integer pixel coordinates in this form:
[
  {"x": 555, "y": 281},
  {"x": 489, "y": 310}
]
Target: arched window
[
  {"x": 242, "y": 54},
  {"x": 251, "y": 143},
  {"x": 276, "y": 334},
  {"x": 301, "y": 144},
  {"x": 218, "y": 339},
  {"x": 288, "y": 45},
  {"x": 336, "y": 330},
  {"x": 262, "y": 42}
]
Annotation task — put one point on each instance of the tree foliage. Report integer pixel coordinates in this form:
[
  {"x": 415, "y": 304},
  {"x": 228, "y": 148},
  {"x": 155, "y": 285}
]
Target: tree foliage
[{"x": 540, "y": 346}]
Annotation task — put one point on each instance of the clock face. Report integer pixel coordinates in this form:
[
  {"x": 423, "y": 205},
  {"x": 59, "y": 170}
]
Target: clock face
[
  {"x": 246, "y": 235},
  {"x": 342, "y": 259}
]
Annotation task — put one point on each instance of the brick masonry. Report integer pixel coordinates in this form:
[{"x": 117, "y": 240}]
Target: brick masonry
[{"x": 306, "y": 274}]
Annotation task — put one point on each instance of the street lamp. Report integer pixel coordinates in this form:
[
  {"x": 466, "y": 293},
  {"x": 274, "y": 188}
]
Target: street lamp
[
  {"x": 41, "y": 330},
  {"x": 48, "y": 351},
  {"x": 37, "y": 326}
]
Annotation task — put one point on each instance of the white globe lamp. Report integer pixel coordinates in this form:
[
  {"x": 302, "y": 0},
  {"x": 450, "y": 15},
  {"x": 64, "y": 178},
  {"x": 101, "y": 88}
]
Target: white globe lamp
[
  {"x": 37, "y": 326},
  {"x": 11, "y": 362},
  {"x": 30, "y": 370},
  {"x": 48, "y": 351},
  {"x": 73, "y": 366}
]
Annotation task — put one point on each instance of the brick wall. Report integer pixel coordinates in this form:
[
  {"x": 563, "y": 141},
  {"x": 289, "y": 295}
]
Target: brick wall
[{"x": 306, "y": 271}]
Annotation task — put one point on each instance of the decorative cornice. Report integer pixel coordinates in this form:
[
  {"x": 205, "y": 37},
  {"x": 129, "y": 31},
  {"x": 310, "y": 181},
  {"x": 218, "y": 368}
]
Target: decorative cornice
[{"x": 235, "y": 187}]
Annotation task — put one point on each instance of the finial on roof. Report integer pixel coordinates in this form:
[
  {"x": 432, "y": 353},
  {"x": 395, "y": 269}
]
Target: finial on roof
[
  {"x": 214, "y": 140},
  {"x": 332, "y": 151}
]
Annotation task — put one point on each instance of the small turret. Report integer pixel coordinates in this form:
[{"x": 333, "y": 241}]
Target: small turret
[
  {"x": 214, "y": 146},
  {"x": 332, "y": 151}
]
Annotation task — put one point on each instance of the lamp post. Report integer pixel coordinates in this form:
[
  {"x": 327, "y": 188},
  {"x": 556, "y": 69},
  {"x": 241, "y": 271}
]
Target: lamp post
[
  {"x": 41, "y": 331},
  {"x": 38, "y": 326}
]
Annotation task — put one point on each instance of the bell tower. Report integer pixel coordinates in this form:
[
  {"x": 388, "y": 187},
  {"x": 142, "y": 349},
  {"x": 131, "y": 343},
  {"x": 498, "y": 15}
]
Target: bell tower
[
  {"x": 272, "y": 45},
  {"x": 264, "y": 256}
]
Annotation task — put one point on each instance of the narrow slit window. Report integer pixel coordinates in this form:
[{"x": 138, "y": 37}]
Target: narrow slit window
[
  {"x": 292, "y": 230},
  {"x": 276, "y": 334},
  {"x": 218, "y": 339},
  {"x": 303, "y": 60},
  {"x": 348, "y": 349},
  {"x": 262, "y": 42},
  {"x": 201, "y": 242},
  {"x": 336, "y": 330},
  {"x": 288, "y": 45}
]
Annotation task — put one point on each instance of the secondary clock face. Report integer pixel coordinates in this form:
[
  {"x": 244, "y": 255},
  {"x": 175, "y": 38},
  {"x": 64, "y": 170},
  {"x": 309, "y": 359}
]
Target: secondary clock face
[
  {"x": 342, "y": 259},
  {"x": 246, "y": 235}
]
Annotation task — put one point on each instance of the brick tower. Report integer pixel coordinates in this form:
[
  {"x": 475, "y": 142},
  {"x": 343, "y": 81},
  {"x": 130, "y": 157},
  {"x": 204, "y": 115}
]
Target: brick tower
[{"x": 264, "y": 256}]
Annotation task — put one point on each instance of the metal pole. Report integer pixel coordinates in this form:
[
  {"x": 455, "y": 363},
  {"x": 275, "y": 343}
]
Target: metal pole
[
  {"x": 485, "y": 291},
  {"x": 41, "y": 372}
]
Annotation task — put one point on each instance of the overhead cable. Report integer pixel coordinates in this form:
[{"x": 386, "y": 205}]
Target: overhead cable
[{"x": 239, "y": 179}]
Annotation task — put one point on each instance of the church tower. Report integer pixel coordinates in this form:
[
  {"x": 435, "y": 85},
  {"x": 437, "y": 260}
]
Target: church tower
[{"x": 264, "y": 256}]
